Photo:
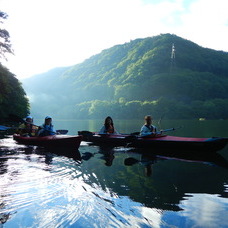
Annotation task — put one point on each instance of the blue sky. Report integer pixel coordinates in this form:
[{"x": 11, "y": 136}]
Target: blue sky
[{"x": 50, "y": 33}]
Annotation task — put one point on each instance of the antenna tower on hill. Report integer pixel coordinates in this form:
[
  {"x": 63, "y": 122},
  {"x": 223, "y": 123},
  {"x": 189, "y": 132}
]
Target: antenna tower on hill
[{"x": 172, "y": 64}]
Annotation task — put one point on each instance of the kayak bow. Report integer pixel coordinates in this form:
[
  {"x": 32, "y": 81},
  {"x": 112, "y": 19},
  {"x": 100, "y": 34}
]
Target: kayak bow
[{"x": 50, "y": 141}]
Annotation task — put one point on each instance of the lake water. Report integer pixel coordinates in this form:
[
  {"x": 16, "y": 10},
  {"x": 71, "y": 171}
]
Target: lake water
[{"x": 98, "y": 188}]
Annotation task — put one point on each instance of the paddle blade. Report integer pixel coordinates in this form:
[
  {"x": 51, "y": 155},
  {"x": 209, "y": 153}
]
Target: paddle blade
[
  {"x": 135, "y": 133},
  {"x": 130, "y": 161},
  {"x": 4, "y": 128},
  {"x": 62, "y": 132},
  {"x": 87, "y": 155}
]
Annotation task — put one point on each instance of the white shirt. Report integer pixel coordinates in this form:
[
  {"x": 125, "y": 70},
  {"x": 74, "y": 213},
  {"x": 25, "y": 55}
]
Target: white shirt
[{"x": 147, "y": 130}]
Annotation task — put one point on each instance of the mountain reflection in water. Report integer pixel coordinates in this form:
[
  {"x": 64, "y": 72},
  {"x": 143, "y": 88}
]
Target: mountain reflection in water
[{"x": 110, "y": 187}]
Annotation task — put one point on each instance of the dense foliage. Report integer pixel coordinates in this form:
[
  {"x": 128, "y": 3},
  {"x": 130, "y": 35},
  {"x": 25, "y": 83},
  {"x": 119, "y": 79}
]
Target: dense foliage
[
  {"x": 137, "y": 78},
  {"x": 13, "y": 99},
  {"x": 5, "y": 45}
]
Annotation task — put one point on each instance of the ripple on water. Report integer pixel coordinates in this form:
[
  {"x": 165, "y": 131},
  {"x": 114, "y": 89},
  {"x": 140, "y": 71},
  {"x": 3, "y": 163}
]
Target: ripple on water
[{"x": 36, "y": 193}]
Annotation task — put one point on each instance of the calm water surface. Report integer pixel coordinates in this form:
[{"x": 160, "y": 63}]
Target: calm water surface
[{"x": 114, "y": 187}]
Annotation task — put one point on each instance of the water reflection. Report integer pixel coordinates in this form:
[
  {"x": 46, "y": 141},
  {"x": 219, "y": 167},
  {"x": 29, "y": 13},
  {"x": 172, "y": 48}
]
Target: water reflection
[
  {"x": 212, "y": 158},
  {"x": 145, "y": 160},
  {"x": 106, "y": 152},
  {"x": 109, "y": 187},
  {"x": 205, "y": 210},
  {"x": 170, "y": 176}
]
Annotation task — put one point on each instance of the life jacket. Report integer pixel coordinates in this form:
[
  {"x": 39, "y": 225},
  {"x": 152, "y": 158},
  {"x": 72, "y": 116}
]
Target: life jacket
[
  {"x": 27, "y": 130},
  {"x": 110, "y": 130},
  {"x": 151, "y": 128}
]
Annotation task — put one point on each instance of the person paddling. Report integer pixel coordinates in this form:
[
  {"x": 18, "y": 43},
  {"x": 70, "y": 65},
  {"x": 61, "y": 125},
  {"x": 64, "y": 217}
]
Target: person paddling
[
  {"x": 47, "y": 128},
  {"x": 148, "y": 129},
  {"x": 108, "y": 127},
  {"x": 27, "y": 129}
]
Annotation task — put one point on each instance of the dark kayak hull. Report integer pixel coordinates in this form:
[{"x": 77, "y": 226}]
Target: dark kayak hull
[
  {"x": 104, "y": 139},
  {"x": 173, "y": 142},
  {"x": 163, "y": 142},
  {"x": 51, "y": 141}
]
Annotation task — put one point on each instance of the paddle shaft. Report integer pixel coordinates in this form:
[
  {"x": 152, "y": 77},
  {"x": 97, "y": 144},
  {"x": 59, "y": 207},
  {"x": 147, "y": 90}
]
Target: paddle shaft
[
  {"x": 161, "y": 131},
  {"x": 4, "y": 128},
  {"x": 170, "y": 129}
]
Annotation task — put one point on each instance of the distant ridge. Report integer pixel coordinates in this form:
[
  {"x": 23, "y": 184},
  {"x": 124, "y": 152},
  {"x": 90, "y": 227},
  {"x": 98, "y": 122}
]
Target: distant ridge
[{"x": 138, "y": 77}]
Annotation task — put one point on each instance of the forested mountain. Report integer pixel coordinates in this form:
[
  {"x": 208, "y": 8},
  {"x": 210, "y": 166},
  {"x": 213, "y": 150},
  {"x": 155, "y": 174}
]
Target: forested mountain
[
  {"x": 13, "y": 99},
  {"x": 137, "y": 78}
]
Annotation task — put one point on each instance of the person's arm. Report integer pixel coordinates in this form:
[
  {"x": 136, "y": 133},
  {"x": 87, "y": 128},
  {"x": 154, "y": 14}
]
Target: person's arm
[
  {"x": 40, "y": 130},
  {"x": 102, "y": 130},
  {"x": 53, "y": 131},
  {"x": 143, "y": 131}
]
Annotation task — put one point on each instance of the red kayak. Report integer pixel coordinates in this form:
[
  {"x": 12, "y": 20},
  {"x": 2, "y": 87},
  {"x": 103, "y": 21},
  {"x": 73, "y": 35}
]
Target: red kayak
[
  {"x": 51, "y": 141},
  {"x": 185, "y": 143},
  {"x": 157, "y": 142}
]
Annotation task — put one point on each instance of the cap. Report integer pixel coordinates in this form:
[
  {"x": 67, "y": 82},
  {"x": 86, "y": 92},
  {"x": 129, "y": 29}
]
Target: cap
[
  {"x": 48, "y": 117},
  {"x": 28, "y": 117}
]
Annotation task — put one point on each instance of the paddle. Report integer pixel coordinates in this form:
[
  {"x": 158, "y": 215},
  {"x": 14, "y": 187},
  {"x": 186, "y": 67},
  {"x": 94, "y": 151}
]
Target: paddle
[
  {"x": 19, "y": 119},
  {"x": 145, "y": 161},
  {"x": 170, "y": 129},
  {"x": 159, "y": 121},
  {"x": 161, "y": 131},
  {"x": 133, "y": 136},
  {"x": 4, "y": 128},
  {"x": 62, "y": 132},
  {"x": 130, "y": 161}
]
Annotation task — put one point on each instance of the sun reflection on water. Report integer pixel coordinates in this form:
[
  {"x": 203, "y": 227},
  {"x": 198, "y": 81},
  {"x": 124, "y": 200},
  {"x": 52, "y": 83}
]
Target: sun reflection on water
[
  {"x": 58, "y": 194},
  {"x": 205, "y": 210}
]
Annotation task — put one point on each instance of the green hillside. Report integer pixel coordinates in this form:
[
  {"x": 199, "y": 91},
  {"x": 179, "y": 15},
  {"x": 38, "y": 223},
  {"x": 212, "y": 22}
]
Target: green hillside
[
  {"x": 13, "y": 99},
  {"x": 137, "y": 78}
]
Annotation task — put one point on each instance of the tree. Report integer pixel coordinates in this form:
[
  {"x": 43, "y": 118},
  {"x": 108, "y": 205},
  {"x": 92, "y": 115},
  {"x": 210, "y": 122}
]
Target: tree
[
  {"x": 13, "y": 99},
  {"x": 5, "y": 45}
]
